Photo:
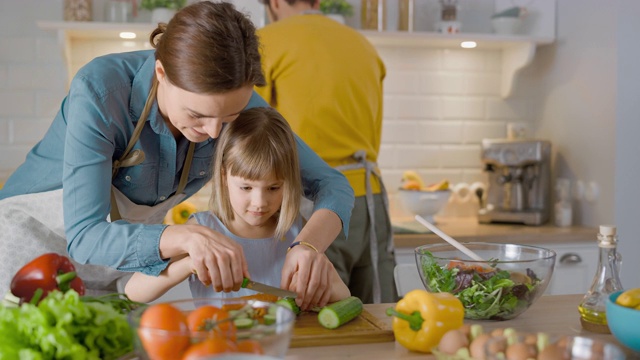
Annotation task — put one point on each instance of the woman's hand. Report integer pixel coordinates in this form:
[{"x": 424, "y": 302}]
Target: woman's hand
[
  {"x": 312, "y": 269},
  {"x": 307, "y": 273},
  {"x": 216, "y": 259}
]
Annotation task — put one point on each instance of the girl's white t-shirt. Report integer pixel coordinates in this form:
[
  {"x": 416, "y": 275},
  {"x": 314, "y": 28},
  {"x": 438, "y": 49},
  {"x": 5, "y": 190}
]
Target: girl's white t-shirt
[{"x": 265, "y": 257}]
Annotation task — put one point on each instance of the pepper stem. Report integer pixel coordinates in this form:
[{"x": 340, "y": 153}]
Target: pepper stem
[
  {"x": 37, "y": 295},
  {"x": 415, "y": 320},
  {"x": 64, "y": 279}
]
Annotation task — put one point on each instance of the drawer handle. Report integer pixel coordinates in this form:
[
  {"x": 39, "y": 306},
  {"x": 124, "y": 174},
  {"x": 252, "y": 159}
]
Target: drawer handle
[{"x": 570, "y": 258}]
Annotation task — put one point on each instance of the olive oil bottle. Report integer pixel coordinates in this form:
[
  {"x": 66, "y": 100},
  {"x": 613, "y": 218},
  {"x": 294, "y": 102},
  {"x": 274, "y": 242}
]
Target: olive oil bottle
[{"x": 606, "y": 281}]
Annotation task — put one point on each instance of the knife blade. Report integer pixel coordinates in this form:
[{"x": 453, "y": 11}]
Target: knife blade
[{"x": 266, "y": 289}]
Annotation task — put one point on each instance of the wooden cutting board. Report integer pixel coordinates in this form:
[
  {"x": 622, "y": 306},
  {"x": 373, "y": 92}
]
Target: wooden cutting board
[{"x": 366, "y": 328}]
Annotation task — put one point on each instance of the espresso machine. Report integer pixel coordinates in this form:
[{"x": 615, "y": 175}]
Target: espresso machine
[{"x": 519, "y": 181}]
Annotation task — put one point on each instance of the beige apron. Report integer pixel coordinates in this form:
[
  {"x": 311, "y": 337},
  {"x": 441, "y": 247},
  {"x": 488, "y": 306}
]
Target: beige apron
[
  {"x": 371, "y": 169},
  {"x": 33, "y": 224},
  {"x": 306, "y": 208}
]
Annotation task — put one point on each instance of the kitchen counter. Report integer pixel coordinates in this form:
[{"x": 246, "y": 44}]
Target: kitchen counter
[
  {"x": 468, "y": 229},
  {"x": 556, "y": 315}
]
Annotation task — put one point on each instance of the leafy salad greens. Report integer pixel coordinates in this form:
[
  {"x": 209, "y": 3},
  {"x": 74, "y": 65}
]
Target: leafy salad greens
[
  {"x": 63, "y": 326},
  {"x": 485, "y": 293}
]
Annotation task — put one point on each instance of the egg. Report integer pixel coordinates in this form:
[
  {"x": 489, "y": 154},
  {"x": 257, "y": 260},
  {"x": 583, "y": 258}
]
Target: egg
[
  {"x": 477, "y": 346},
  {"x": 452, "y": 341},
  {"x": 521, "y": 351},
  {"x": 553, "y": 352}
]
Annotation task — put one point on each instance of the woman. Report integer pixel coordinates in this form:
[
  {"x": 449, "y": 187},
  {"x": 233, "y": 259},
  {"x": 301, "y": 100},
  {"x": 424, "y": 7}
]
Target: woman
[
  {"x": 255, "y": 201},
  {"x": 134, "y": 137}
]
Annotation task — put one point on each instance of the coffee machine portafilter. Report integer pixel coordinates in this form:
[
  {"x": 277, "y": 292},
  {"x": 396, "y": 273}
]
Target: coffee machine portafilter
[{"x": 519, "y": 181}]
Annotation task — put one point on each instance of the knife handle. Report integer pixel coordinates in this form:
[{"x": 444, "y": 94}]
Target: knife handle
[{"x": 245, "y": 282}]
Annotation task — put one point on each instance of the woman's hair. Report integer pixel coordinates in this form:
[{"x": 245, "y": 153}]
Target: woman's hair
[
  {"x": 291, "y": 2},
  {"x": 209, "y": 48},
  {"x": 255, "y": 146}
]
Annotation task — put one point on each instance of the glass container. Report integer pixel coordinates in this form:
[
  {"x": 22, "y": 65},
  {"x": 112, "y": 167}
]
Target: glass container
[
  {"x": 606, "y": 281},
  {"x": 373, "y": 15},
  {"x": 77, "y": 10},
  {"x": 405, "y": 15}
]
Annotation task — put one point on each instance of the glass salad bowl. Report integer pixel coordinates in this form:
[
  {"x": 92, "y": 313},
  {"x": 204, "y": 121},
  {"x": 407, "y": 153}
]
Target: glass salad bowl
[
  {"x": 503, "y": 286},
  {"x": 212, "y": 327}
]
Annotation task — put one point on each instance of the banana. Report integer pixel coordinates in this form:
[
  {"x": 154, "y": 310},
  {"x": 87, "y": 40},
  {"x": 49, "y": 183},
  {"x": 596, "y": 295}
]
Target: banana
[
  {"x": 629, "y": 298},
  {"x": 442, "y": 185},
  {"x": 411, "y": 180}
]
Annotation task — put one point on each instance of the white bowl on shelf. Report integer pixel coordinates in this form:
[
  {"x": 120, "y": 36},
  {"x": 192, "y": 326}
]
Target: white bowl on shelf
[{"x": 506, "y": 25}]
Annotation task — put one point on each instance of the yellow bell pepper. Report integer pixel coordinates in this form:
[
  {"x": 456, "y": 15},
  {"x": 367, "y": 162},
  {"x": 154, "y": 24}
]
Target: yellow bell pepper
[
  {"x": 421, "y": 318},
  {"x": 181, "y": 212}
]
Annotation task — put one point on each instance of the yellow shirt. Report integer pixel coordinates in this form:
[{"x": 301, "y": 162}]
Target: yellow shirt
[{"x": 325, "y": 78}]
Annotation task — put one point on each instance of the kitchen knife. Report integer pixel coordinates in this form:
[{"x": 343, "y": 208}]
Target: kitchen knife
[{"x": 266, "y": 289}]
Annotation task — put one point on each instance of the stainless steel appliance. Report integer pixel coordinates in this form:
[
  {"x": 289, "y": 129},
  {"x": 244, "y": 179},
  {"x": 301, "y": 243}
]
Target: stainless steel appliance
[{"x": 519, "y": 181}]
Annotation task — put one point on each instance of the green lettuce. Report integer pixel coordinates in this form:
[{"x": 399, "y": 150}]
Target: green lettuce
[{"x": 62, "y": 326}]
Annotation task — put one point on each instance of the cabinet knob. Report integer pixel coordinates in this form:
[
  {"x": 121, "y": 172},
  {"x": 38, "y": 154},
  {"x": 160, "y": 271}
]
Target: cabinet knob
[{"x": 570, "y": 258}]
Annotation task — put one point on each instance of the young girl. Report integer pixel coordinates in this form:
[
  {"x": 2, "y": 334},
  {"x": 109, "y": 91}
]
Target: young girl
[{"x": 255, "y": 202}]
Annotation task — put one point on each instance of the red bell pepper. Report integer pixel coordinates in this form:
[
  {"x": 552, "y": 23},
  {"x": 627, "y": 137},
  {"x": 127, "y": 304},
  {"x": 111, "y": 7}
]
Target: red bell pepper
[{"x": 46, "y": 273}]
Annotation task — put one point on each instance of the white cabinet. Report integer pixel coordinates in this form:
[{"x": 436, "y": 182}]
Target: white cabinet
[{"x": 576, "y": 265}]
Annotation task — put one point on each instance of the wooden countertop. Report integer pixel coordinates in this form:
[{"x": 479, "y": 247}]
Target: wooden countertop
[
  {"x": 555, "y": 314},
  {"x": 468, "y": 229}
]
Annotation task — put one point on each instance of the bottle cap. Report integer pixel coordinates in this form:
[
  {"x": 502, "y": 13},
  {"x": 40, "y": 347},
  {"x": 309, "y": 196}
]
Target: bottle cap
[{"x": 608, "y": 230}]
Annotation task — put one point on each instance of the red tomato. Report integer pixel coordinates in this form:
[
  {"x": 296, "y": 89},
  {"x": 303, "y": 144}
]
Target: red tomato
[
  {"x": 250, "y": 346},
  {"x": 163, "y": 332},
  {"x": 210, "y": 346},
  {"x": 203, "y": 317}
]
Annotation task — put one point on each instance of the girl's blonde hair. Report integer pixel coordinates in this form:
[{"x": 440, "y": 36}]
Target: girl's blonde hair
[{"x": 257, "y": 145}]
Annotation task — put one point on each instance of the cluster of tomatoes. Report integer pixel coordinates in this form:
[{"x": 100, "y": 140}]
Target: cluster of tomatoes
[{"x": 167, "y": 333}]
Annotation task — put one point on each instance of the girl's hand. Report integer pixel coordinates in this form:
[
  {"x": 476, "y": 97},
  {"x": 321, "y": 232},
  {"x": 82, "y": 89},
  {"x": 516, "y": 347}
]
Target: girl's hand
[
  {"x": 216, "y": 259},
  {"x": 308, "y": 273}
]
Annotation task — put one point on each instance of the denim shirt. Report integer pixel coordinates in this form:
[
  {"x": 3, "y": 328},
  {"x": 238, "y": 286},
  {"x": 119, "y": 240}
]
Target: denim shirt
[{"x": 92, "y": 129}]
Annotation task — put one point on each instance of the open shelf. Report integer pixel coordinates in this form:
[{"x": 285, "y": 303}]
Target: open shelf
[{"x": 517, "y": 51}]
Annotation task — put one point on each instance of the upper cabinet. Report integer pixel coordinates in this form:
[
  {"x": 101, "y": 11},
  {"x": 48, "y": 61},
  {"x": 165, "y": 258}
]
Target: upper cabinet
[{"x": 81, "y": 41}]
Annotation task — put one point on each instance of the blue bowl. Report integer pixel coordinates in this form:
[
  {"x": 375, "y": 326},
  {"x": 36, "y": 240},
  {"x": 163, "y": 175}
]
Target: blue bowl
[{"x": 623, "y": 322}]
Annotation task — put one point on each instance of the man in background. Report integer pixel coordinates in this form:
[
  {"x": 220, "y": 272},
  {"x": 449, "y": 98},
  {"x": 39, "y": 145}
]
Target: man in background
[{"x": 325, "y": 78}]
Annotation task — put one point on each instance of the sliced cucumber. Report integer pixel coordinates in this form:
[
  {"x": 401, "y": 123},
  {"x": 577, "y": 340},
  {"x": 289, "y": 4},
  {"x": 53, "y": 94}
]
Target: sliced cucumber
[
  {"x": 238, "y": 314},
  {"x": 339, "y": 313},
  {"x": 269, "y": 319},
  {"x": 289, "y": 303},
  {"x": 243, "y": 323}
]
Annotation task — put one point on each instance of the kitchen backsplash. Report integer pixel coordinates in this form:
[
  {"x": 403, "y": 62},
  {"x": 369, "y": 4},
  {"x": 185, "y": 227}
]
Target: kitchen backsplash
[{"x": 439, "y": 103}]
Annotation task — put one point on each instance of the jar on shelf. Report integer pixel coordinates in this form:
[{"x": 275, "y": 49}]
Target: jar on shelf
[
  {"x": 448, "y": 23},
  {"x": 77, "y": 10},
  {"x": 405, "y": 15},
  {"x": 373, "y": 15}
]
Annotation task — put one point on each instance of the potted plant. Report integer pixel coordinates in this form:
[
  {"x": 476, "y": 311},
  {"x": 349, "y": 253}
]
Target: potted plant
[
  {"x": 336, "y": 9},
  {"x": 162, "y": 10}
]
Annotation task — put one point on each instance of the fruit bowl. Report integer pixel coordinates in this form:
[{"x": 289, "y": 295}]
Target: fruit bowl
[
  {"x": 507, "y": 283},
  {"x": 623, "y": 322},
  {"x": 424, "y": 203},
  {"x": 202, "y": 328}
]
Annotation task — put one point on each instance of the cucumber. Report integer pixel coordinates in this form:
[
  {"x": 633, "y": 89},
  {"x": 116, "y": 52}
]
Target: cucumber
[
  {"x": 269, "y": 319},
  {"x": 289, "y": 303},
  {"x": 243, "y": 323},
  {"x": 339, "y": 313},
  {"x": 238, "y": 314}
]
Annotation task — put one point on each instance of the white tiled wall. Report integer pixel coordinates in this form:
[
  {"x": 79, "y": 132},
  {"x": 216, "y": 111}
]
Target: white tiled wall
[{"x": 439, "y": 103}]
